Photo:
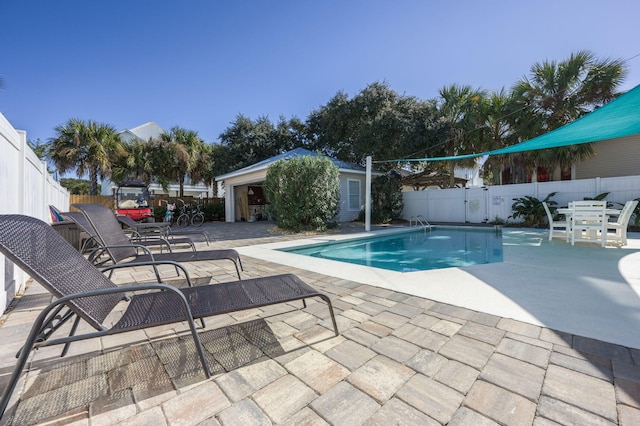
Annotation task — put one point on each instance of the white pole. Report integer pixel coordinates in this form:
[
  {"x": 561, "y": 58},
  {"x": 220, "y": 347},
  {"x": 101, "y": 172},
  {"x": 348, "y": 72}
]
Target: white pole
[{"x": 367, "y": 201}]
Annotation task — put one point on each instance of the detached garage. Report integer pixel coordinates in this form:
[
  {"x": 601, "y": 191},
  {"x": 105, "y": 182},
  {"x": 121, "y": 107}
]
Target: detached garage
[{"x": 245, "y": 201}]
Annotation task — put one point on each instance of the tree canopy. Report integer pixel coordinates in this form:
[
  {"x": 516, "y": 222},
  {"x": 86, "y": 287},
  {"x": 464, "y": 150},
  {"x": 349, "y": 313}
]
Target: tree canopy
[
  {"x": 88, "y": 147},
  {"x": 377, "y": 121}
]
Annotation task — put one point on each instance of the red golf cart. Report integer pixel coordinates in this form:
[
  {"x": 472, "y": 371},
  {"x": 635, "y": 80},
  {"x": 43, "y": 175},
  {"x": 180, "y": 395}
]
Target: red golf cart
[{"x": 132, "y": 199}]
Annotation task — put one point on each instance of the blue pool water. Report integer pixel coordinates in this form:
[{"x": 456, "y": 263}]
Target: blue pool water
[{"x": 414, "y": 251}]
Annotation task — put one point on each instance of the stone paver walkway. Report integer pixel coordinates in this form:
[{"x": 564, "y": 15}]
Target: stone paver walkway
[{"x": 399, "y": 359}]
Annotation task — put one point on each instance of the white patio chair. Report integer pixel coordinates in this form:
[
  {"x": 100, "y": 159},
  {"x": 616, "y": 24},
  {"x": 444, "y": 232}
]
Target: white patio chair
[
  {"x": 619, "y": 236},
  {"x": 589, "y": 222},
  {"x": 557, "y": 228}
]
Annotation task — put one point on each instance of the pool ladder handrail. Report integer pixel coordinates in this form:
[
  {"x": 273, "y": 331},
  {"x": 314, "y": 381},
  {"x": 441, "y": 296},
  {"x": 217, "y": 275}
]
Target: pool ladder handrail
[{"x": 420, "y": 220}]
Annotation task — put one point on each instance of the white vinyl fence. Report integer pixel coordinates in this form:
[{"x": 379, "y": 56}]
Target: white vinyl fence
[
  {"x": 488, "y": 204},
  {"x": 25, "y": 188}
]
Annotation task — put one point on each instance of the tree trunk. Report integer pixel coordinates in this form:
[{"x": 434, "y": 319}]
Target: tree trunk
[
  {"x": 93, "y": 181},
  {"x": 452, "y": 178}
]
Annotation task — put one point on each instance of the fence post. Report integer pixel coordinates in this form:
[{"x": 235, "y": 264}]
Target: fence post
[
  {"x": 22, "y": 170},
  {"x": 46, "y": 191}
]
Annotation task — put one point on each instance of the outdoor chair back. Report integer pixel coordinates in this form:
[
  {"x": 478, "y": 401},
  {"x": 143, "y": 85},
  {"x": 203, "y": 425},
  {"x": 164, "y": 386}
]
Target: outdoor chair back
[
  {"x": 49, "y": 259},
  {"x": 588, "y": 222},
  {"x": 619, "y": 236},
  {"x": 557, "y": 228},
  {"x": 109, "y": 232}
]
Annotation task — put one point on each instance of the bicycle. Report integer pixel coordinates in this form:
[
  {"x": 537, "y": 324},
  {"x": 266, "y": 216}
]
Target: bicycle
[
  {"x": 168, "y": 216},
  {"x": 188, "y": 215}
]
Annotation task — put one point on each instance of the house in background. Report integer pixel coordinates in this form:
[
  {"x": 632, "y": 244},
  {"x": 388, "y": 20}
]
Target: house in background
[
  {"x": 145, "y": 132},
  {"x": 613, "y": 158},
  {"x": 244, "y": 197}
]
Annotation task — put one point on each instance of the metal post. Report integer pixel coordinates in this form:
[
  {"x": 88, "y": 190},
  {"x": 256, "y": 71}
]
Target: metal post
[{"x": 367, "y": 201}]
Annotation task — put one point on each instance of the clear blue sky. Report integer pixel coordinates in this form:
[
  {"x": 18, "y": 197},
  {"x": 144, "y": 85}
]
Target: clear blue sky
[{"x": 198, "y": 64}]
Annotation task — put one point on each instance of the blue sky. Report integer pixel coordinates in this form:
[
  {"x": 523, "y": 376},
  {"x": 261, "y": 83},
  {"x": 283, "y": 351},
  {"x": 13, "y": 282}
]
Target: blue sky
[{"x": 198, "y": 64}]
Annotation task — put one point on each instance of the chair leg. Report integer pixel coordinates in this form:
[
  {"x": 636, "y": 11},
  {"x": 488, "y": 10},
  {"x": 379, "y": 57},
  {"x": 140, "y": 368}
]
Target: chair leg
[
  {"x": 333, "y": 317},
  {"x": 74, "y": 327},
  {"x": 199, "y": 348},
  {"x": 237, "y": 270},
  {"x": 22, "y": 359},
  {"x": 52, "y": 323}
]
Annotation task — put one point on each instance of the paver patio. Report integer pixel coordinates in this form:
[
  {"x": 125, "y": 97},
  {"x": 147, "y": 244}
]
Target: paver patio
[{"x": 399, "y": 359}]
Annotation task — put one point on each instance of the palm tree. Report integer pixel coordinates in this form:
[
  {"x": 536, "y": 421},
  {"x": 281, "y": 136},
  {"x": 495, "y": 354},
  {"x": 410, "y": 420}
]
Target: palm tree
[
  {"x": 134, "y": 163},
  {"x": 496, "y": 132},
  {"x": 459, "y": 109},
  {"x": 558, "y": 93},
  {"x": 189, "y": 149},
  {"x": 165, "y": 161},
  {"x": 88, "y": 147}
]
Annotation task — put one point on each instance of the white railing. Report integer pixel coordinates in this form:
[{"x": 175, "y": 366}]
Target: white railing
[
  {"x": 26, "y": 188},
  {"x": 419, "y": 220}
]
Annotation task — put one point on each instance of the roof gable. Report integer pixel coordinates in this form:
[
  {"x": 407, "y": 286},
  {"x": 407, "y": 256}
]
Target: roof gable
[
  {"x": 143, "y": 132},
  {"x": 298, "y": 152}
]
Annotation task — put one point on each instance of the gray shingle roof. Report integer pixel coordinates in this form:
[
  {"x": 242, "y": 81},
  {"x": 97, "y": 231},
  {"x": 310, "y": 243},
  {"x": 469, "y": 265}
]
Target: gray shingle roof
[{"x": 298, "y": 152}]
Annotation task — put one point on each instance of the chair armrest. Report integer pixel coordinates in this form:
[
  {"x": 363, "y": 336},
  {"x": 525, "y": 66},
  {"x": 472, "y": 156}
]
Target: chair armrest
[{"x": 150, "y": 263}]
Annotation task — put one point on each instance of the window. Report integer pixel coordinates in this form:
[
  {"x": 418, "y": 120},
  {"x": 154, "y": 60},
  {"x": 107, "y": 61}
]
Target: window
[{"x": 353, "y": 193}]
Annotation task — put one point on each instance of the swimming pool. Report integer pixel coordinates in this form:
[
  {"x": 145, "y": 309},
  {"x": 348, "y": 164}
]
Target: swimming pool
[{"x": 421, "y": 250}]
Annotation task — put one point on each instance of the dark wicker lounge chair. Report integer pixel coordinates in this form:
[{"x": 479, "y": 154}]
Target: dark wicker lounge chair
[
  {"x": 91, "y": 239},
  {"x": 120, "y": 250},
  {"x": 86, "y": 294},
  {"x": 163, "y": 229},
  {"x": 143, "y": 232}
]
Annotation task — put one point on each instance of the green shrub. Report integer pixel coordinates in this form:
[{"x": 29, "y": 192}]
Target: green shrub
[
  {"x": 531, "y": 210},
  {"x": 213, "y": 211},
  {"x": 386, "y": 198},
  {"x": 158, "y": 212},
  {"x": 303, "y": 192}
]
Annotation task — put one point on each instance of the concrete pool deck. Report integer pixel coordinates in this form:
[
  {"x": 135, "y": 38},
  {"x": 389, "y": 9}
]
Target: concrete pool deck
[
  {"x": 399, "y": 358},
  {"x": 582, "y": 289}
]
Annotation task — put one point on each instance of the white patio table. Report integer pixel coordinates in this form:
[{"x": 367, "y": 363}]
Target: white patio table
[{"x": 568, "y": 212}]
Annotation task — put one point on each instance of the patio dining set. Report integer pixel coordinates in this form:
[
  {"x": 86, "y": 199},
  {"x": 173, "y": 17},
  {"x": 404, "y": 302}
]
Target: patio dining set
[{"x": 591, "y": 221}]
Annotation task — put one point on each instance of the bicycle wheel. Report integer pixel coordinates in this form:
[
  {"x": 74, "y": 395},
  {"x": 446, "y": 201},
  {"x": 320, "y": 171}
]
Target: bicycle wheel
[
  {"x": 183, "y": 220},
  {"x": 197, "y": 219}
]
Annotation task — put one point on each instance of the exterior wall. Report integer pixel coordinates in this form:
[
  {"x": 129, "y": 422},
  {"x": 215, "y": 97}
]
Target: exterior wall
[
  {"x": 345, "y": 214},
  {"x": 615, "y": 157},
  {"x": 27, "y": 188}
]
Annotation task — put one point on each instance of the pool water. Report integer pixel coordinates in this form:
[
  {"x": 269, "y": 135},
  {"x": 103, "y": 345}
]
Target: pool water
[{"x": 414, "y": 251}]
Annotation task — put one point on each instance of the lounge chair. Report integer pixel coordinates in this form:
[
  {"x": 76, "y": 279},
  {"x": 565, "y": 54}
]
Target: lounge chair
[
  {"x": 619, "y": 236},
  {"x": 142, "y": 232},
  {"x": 91, "y": 240},
  {"x": 115, "y": 243},
  {"x": 557, "y": 228},
  {"x": 87, "y": 294},
  {"x": 159, "y": 228}
]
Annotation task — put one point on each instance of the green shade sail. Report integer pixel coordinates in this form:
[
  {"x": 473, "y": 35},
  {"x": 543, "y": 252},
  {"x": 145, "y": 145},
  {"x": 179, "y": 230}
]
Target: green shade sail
[{"x": 618, "y": 118}]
